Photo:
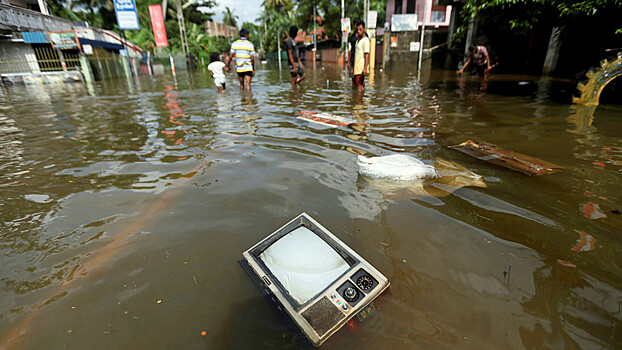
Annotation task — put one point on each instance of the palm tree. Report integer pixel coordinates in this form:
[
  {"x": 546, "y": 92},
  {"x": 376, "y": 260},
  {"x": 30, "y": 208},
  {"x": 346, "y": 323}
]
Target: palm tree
[
  {"x": 229, "y": 18},
  {"x": 277, "y": 4}
]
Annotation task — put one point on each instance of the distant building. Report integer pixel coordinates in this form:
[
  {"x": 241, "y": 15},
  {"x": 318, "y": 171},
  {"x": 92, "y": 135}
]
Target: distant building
[
  {"x": 404, "y": 20},
  {"x": 33, "y": 5},
  {"x": 220, "y": 29},
  {"x": 35, "y": 46},
  {"x": 438, "y": 16}
]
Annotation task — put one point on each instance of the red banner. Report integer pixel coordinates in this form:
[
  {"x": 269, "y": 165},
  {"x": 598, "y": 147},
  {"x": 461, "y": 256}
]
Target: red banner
[{"x": 157, "y": 23}]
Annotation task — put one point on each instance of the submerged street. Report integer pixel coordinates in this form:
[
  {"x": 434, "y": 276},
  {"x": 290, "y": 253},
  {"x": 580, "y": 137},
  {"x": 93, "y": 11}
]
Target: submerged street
[{"x": 124, "y": 210}]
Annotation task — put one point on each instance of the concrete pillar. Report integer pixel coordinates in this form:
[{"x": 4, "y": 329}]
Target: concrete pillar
[
  {"x": 450, "y": 37},
  {"x": 85, "y": 67},
  {"x": 87, "y": 73},
  {"x": 372, "y": 49},
  {"x": 452, "y": 28},
  {"x": 552, "y": 54},
  {"x": 386, "y": 57},
  {"x": 125, "y": 65},
  {"x": 470, "y": 35}
]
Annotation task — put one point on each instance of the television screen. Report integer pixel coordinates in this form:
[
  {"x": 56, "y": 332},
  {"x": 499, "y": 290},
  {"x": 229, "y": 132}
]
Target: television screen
[{"x": 303, "y": 263}]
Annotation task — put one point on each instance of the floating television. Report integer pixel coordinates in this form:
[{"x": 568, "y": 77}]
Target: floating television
[{"x": 319, "y": 281}]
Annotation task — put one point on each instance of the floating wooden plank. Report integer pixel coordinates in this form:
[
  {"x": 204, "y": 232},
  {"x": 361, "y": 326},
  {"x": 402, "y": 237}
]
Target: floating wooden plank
[
  {"x": 506, "y": 158},
  {"x": 331, "y": 120}
]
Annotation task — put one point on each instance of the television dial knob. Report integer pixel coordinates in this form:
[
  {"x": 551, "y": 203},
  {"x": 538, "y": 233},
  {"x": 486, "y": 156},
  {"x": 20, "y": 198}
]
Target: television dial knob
[{"x": 350, "y": 294}]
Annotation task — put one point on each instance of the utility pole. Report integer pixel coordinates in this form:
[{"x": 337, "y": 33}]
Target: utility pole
[
  {"x": 425, "y": 13},
  {"x": 365, "y": 17},
  {"x": 314, "y": 35},
  {"x": 314, "y": 31},
  {"x": 182, "y": 28},
  {"x": 344, "y": 37},
  {"x": 278, "y": 43}
]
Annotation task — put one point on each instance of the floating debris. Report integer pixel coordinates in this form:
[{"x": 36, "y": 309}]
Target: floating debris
[
  {"x": 592, "y": 211},
  {"x": 451, "y": 177},
  {"x": 331, "y": 120},
  {"x": 506, "y": 158},
  {"x": 399, "y": 167},
  {"x": 566, "y": 263},
  {"x": 38, "y": 198},
  {"x": 584, "y": 244}
]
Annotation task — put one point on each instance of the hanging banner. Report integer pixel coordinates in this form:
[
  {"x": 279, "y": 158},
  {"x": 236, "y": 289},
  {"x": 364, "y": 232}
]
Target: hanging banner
[
  {"x": 345, "y": 24},
  {"x": 67, "y": 40},
  {"x": 157, "y": 23},
  {"x": 127, "y": 17},
  {"x": 372, "y": 18}
]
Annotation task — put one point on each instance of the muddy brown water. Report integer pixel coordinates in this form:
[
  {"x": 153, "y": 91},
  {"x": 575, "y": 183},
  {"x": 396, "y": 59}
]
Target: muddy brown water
[{"x": 124, "y": 211}]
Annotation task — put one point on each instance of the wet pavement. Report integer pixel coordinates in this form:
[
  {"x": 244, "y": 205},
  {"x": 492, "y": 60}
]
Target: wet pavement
[{"x": 124, "y": 210}]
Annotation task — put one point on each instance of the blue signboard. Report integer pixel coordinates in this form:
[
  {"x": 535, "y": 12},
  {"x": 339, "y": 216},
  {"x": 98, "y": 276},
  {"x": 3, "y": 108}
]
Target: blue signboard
[{"x": 127, "y": 17}]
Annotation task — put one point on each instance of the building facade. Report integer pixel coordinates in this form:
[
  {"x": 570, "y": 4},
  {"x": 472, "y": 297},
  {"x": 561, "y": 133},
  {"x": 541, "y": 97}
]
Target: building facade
[{"x": 404, "y": 20}]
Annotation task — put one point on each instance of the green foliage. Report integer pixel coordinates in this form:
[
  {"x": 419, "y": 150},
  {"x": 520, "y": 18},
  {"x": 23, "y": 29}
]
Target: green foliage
[
  {"x": 278, "y": 15},
  {"x": 255, "y": 33},
  {"x": 521, "y": 16},
  {"x": 199, "y": 11},
  {"x": 276, "y": 23},
  {"x": 100, "y": 13},
  {"x": 278, "y": 4},
  {"x": 330, "y": 12}
]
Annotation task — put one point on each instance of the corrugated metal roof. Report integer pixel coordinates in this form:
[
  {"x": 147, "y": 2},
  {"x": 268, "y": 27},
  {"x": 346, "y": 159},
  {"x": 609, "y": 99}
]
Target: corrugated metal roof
[{"x": 35, "y": 37}]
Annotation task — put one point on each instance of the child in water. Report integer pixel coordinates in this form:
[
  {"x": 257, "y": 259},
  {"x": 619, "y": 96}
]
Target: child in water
[{"x": 215, "y": 68}]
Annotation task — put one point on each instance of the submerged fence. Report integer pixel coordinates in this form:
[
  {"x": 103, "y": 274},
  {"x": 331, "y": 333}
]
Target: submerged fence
[
  {"x": 40, "y": 59},
  {"x": 30, "y": 62},
  {"x": 37, "y": 60},
  {"x": 106, "y": 64}
]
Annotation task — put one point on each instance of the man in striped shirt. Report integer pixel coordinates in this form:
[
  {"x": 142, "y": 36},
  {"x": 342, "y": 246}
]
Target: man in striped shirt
[{"x": 244, "y": 52}]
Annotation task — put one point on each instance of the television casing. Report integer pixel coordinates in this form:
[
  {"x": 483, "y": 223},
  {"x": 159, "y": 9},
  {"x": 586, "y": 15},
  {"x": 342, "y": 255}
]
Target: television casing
[{"x": 325, "y": 313}]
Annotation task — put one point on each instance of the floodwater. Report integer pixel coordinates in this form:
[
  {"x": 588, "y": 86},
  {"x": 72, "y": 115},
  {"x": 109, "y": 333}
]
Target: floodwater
[{"x": 124, "y": 211}]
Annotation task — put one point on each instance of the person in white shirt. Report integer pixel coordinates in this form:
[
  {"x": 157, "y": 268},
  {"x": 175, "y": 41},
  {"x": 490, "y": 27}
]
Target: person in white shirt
[
  {"x": 216, "y": 69},
  {"x": 361, "y": 57}
]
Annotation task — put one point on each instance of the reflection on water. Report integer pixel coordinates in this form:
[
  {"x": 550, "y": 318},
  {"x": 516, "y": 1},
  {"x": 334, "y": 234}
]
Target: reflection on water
[{"x": 124, "y": 211}]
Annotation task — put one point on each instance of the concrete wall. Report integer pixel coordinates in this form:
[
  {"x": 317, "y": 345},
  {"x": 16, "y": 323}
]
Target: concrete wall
[
  {"x": 402, "y": 53},
  {"x": 17, "y": 58},
  {"x": 42, "y": 78},
  {"x": 330, "y": 55}
]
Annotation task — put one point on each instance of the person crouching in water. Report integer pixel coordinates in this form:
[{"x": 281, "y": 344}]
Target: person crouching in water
[
  {"x": 481, "y": 62},
  {"x": 361, "y": 57},
  {"x": 215, "y": 68},
  {"x": 296, "y": 69}
]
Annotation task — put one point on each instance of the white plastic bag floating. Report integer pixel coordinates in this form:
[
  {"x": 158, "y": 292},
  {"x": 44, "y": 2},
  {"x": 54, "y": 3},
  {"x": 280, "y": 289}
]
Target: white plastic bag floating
[
  {"x": 398, "y": 167},
  {"x": 446, "y": 178}
]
